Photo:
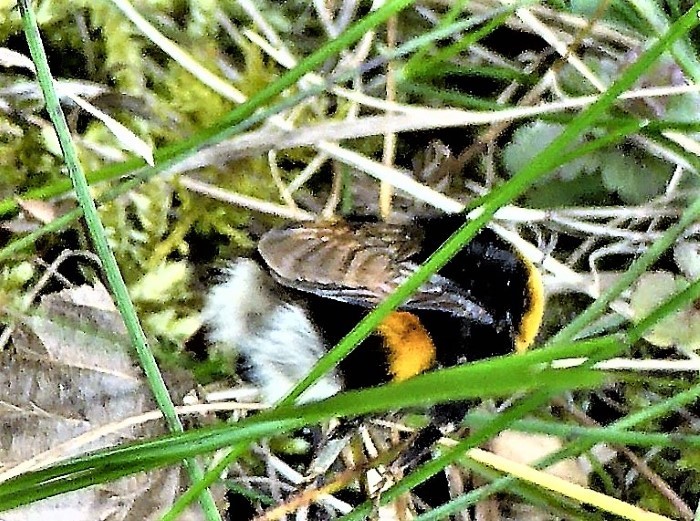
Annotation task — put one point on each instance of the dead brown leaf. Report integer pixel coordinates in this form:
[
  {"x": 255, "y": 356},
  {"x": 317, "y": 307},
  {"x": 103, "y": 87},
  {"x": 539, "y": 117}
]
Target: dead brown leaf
[{"x": 71, "y": 371}]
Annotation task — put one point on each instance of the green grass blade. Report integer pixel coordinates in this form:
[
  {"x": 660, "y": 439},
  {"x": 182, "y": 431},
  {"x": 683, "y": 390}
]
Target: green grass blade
[
  {"x": 99, "y": 239},
  {"x": 497, "y": 377}
]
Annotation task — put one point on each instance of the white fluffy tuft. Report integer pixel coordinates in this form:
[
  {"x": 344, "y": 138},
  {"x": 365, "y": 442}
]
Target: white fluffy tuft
[
  {"x": 276, "y": 338},
  {"x": 235, "y": 305}
]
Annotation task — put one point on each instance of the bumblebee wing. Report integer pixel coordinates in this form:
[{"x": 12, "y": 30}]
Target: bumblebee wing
[
  {"x": 438, "y": 294},
  {"x": 441, "y": 294},
  {"x": 360, "y": 264},
  {"x": 355, "y": 296},
  {"x": 361, "y": 258}
]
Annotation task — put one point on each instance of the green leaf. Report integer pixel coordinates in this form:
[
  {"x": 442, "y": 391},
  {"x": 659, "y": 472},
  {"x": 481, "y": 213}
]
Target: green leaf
[
  {"x": 529, "y": 140},
  {"x": 681, "y": 328},
  {"x": 635, "y": 176}
]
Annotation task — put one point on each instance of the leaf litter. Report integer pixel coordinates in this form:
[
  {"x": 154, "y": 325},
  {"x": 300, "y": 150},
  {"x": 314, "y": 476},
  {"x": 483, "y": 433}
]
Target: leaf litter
[{"x": 70, "y": 373}]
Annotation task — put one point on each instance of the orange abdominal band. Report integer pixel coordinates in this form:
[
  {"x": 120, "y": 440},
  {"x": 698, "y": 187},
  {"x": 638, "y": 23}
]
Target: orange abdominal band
[
  {"x": 411, "y": 350},
  {"x": 532, "y": 319}
]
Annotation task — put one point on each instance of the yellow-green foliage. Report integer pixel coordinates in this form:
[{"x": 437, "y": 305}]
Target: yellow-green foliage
[{"x": 156, "y": 98}]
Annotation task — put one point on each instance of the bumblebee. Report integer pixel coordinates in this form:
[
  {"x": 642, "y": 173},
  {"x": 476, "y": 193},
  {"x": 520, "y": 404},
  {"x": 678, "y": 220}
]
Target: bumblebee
[{"x": 311, "y": 283}]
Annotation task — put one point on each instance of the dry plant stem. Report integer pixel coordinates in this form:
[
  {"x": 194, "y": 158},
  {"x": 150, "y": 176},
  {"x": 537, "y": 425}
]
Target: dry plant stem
[
  {"x": 333, "y": 200},
  {"x": 325, "y": 18},
  {"x": 345, "y": 15},
  {"x": 260, "y": 21},
  {"x": 296, "y": 479},
  {"x": 616, "y": 248},
  {"x": 284, "y": 57},
  {"x": 606, "y": 230},
  {"x": 548, "y": 35},
  {"x": 650, "y": 211},
  {"x": 340, "y": 481},
  {"x": 380, "y": 478},
  {"x": 559, "y": 485},
  {"x": 655, "y": 210},
  {"x": 670, "y": 155},
  {"x": 52, "y": 271},
  {"x": 532, "y": 96},
  {"x": 669, "y": 194},
  {"x": 631, "y": 240},
  {"x": 260, "y": 482},
  {"x": 566, "y": 488},
  {"x": 244, "y": 201},
  {"x": 60, "y": 278},
  {"x": 584, "y": 248},
  {"x": 489, "y": 164},
  {"x": 362, "y": 51},
  {"x": 309, "y": 496},
  {"x": 659, "y": 484},
  {"x": 262, "y": 450},
  {"x": 314, "y": 165},
  {"x": 601, "y": 30},
  {"x": 487, "y": 510},
  {"x": 385, "y": 189},
  {"x": 354, "y": 108},
  {"x": 558, "y": 45},
  {"x": 692, "y": 365},
  {"x": 184, "y": 59},
  {"x": 334, "y": 25},
  {"x": 455, "y": 481},
  {"x": 404, "y": 118},
  {"x": 480, "y": 51},
  {"x": 277, "y": 178},
  {"x": 495, "y": 130},
  {"x": 672, "y": 187},
  {"x": 351, "y": 61}
]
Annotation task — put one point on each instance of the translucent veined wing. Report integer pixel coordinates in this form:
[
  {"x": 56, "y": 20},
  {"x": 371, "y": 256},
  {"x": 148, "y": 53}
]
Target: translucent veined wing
[{"x": 361, "y": 264}]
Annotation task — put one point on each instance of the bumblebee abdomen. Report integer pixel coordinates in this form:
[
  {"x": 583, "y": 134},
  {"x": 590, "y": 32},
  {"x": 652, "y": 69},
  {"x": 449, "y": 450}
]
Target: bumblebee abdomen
[{"x": 498, "y": 277}]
